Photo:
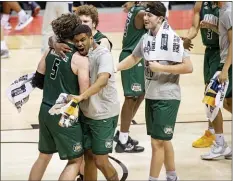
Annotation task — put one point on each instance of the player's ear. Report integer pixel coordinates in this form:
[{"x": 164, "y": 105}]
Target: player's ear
[{"x": 94, "y": 25}]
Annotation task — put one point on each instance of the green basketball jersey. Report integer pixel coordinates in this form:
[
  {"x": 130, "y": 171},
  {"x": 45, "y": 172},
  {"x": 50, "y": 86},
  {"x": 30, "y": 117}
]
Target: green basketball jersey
[
  {"x": 209, "y": 12},
  {"x": 98, "y": 36},
  {"x": 59, "y": 77},
  {"x": 132, "y": 35}
]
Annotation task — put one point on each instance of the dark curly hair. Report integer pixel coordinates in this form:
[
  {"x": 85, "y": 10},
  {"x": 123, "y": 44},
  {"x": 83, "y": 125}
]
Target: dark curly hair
[
  {"x": 89, "y": 10},
  {"x": 64, "y": 26}
]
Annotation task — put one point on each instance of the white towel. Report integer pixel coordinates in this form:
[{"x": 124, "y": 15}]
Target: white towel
[
  {"x": 214, "y": 96},
  {"x": 69, "y": 113},
  {"x": 19, "y": 90},
  {"x": 166, "y": 45}
]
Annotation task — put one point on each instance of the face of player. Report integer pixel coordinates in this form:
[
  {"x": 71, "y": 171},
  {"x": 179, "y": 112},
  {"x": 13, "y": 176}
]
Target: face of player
[
  {"x": 86, "y": 20},
  {"x": 83, "y": 43},
  {"x": 151, "y": 21}
]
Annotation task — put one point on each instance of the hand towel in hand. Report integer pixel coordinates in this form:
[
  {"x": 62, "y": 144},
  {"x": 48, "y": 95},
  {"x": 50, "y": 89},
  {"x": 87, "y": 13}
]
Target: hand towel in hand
[
  {"x": 19, "y": 90},
  {"x": 214, "y": 96}
]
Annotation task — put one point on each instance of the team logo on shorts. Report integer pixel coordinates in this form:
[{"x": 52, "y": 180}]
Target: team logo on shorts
[
  {"x": 136, "y": 87},
  {"x": 168, "y": 130},
  {"x": 108, "y": 143},
  {"x": 77, "y": 147}
]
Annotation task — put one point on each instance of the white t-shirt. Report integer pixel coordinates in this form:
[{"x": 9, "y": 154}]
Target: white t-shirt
[{"x": 105, "y": 104}]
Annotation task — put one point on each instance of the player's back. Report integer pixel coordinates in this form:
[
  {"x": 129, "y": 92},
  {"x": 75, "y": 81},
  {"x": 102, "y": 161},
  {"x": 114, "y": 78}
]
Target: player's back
[
  {"x": 209, "y": 12},
  {"x": 132, "y": 35},
  {"x": 59, "y": 77}
]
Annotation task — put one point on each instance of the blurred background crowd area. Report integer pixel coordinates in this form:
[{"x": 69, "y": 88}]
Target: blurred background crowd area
[{"x": 32, "y": 18}]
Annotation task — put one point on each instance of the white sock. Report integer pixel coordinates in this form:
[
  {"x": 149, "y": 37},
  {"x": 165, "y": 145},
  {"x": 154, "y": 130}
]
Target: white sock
[
  {"x": 211, "y": 130},
  {"x": 5, "y": 18},
  {"x": 22, "y": 15},
  {"x": 153, "y": 178},
  {"x": 123, "y": 137},
  {"x": 171, "y": 175},
  {"x": 3, "y": 45},
  {"x": 219, "y": 139}
]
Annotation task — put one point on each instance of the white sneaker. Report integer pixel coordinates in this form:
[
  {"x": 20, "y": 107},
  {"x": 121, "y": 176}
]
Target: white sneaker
[
  {"x": 217, "y": 151},
  {"x": 176, "y": 179},
  {"x": 7, "y": 26},
  {"x": 4, "y": 53},
  {"x": 22, "y": 24}
]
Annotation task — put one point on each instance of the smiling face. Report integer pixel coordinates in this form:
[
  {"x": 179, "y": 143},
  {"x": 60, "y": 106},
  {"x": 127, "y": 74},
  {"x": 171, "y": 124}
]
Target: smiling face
[{"x": 83, "y": 43}]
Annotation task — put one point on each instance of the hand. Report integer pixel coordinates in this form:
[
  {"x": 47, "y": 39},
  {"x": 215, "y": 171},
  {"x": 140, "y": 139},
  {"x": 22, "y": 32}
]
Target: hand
[
  {"x": 208, "y": 25},
  {"x": 61, "y": 49},
  {"x": 77, "y": 98},
  {"x": 223, "y": 76},
  {"x": 155, "y": 66},
  {"x": 187, "y": 43}
]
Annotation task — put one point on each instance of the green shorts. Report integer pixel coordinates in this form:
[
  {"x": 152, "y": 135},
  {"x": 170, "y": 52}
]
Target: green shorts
[
  {"x": 161, "y": 118},
  {"x": 211, "y": 63},
  {"x": 229, "y": 89},
  {"x": 68, "y": 142},
  {"x": 133, "y": 81},
  {"x": 98, "y": 134}
]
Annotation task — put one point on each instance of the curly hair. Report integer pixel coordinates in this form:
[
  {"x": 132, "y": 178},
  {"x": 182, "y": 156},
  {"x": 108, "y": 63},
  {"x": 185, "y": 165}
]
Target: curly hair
[
  {"x": 89, "y": 10},
  {"x": 64, "y": 26}
]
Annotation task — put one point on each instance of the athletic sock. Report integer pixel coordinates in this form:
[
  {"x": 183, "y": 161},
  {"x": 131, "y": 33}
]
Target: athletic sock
[
  {"x": 171, "y": 175},
  {"x": 153, "y": 178},
  {"x": 211, "y": 130},
  {"x": 219, "y": 139},
  {"x": 123, "y": 137}
]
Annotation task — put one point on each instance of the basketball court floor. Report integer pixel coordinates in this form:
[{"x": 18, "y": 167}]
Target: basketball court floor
[{"x": 19, "y": 139}]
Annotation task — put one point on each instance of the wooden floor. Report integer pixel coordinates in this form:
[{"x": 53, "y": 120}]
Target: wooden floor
[{"x": 17, "y": 158}]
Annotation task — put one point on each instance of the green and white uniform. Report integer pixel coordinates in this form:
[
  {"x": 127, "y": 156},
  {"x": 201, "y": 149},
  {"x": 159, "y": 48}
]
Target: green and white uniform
[
  {"x": 210, "y": 12},
  {"x": 132, "y": 79},
  {"x": 59, "y": 78}
]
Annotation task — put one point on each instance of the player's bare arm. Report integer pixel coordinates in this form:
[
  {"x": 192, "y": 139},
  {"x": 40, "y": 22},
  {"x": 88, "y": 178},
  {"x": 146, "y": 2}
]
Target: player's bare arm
[
  {"x": 138, "y": 20},
  {"x": 128, "y": 62},
  {"x": 42, "y": 66},
  {"x": 38, "y": 79},
  {"x": 224, "y": 74},
  {"x": 192, "y": 33},
  {"x": 80, "y": 67},
  {"x": 185, "y": 67},
  {"x": 101, "y": 82}
]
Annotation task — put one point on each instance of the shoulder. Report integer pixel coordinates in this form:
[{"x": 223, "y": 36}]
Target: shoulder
[{"x": 78, "y": 59}]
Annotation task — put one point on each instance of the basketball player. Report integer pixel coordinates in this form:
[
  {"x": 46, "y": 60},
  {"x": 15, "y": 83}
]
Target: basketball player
[
  {"x": 89, "y": 16},
  {"x": 99, "y": 105},
  {"x": 220, "y": 147},
  {"x": 56, "y": 76},
  {"x": 207, "y": 11},
  {"x": 161, "y": 106},
  {"x": 132, "y": 79}
]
